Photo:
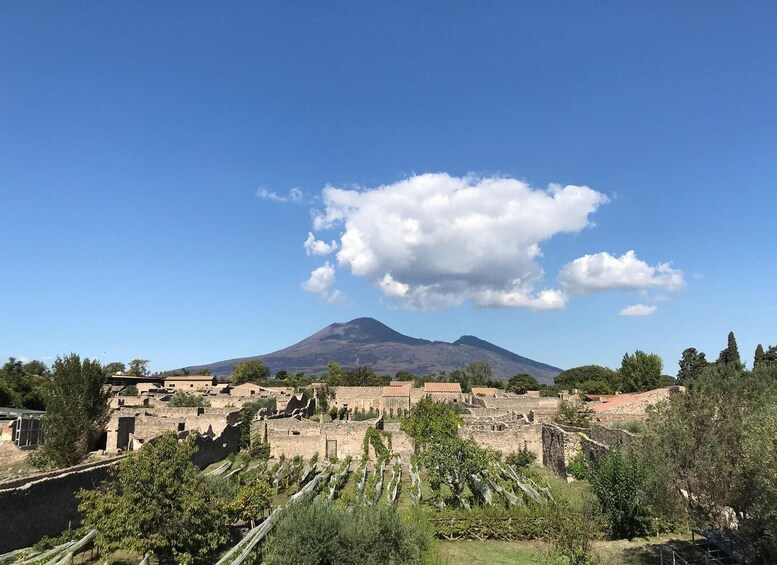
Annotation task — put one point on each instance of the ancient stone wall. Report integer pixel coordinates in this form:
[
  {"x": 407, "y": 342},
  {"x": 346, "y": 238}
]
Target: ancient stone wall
[
  {"x": 45, "y": 505},
  {"x": 558, "y": 447},
  {"x": 542, "y": 407},
  {"x": 510, "y": 439},
  {"x": 364, "y": 398},
  {"x": 212, "y": 449},
  {"x": 612, "y": 437}
]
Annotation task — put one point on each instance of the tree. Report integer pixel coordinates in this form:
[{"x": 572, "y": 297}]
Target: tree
[
  {"x": 131, "y": 390},
  {"x": 20, "y": 389},
  {"x": 251, "y": 501},
  {"x": 114, "y": 368},
  {"x": 204, "y": 372},
  {"x": 479, "y": 373},
  {"x": 576, "y": 414},
  {"x": 691, "y": 364},
  {"x": 759, "y": 355},
  {"x": 595, "y": 387},
  {"x": 730, "y": 355},
  {"x": 405, "y": 376},
  {"x": 641, "y": 371},
  {"x": 452, "y": 462},
  {"x": 572, "y": 378},
  {"x": 716, "y": 443},
  {"x": 430, "y": 422},
  {"x": 76, "y": 409},
  {"x": 139, "y": 367},
  {"x": 157, "y": 500},
  {"x": 36, "y": 368},
  {"x": 363, "y": 376},
  {"x": 521, "y": 383},
  {"x": 334, "y": 374},
  {"x": 251, "y": 371}
]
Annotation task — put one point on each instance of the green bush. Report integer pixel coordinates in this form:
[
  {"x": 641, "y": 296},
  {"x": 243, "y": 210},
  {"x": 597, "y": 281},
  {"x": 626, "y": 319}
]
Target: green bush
[
  {"x": 185, "y": 400},
  {"x": 620, "y": 483},
  {"x": 521, "y": 458},
  {"x": 576, "y": 414},
  {"x": 319, "y": 534}
]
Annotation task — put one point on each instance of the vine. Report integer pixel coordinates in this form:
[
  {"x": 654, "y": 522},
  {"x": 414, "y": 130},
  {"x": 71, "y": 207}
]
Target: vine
[{"x": 374, "y": 437}]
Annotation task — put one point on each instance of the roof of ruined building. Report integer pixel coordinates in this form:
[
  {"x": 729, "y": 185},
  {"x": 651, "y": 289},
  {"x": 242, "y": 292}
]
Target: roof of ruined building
[
  {"x": 442, "y": 387},
  {"x": 396, "y": 391},
  {"x": 189, "y": 378},
  {"x": 401, "y": 383},
  {"x": 482, "y": 390}
]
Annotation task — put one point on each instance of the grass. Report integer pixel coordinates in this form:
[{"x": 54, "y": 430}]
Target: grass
[
  {"x": 620, "y": 552},
  {"x": 490, "y": 552}
]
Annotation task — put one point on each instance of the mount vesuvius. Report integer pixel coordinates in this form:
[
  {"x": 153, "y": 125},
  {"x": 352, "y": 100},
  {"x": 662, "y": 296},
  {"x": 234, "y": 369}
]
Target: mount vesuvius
[{"x": 366, "y": 341}]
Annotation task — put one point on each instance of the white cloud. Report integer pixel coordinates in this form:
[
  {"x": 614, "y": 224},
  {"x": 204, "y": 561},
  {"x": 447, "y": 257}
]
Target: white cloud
[
  {"x": 434, "y": 241},
  {"x": 638, "y": 310},
  {"x": 295, "y": 195},
  {"x": 320, "y": 279},
  {"x": 602, "y": 271},
  {"x": 315, "y": 246}
]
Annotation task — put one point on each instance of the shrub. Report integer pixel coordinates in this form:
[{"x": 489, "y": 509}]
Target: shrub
[
  {"x": 619, "y": 483},
  {"x": 318, "y": 533},
  {"x": 575, "y": 414},
  {"x": 577, "y": 467},
  {"x": 185, "y": 400},
  {"x": 521, "y": 458},
  {"x": 131, "y": 390}
]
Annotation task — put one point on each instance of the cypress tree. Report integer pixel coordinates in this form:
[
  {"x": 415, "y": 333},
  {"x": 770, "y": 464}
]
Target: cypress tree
[
  {"x": 730, "y": 355},
  {"x": 759, "y": 355}
]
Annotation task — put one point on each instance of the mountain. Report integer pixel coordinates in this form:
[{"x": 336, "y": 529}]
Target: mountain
[{"x": 366, "y": 341}]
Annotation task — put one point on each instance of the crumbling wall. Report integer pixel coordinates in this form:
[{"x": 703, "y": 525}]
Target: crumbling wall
[
  {"x": 510, "y": 439},
  {"x": 365, "y": 398},
  {"x": 558, "y": 447},
  {"x": 612, "y": 437},
  {"x": 212, "y": 449},
  {"x": 45, "y": 505},
  {"x": 543, "y": 407}
]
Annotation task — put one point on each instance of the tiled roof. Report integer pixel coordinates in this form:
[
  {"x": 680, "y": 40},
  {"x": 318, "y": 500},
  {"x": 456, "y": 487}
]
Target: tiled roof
[
  {"x": 396, "y": 391},
  {"x": 189, "y": 378},
  {"x": 482, "y": 390},
  {"x": 442, "y": 387},
  {"x": 400, "y": 383}
]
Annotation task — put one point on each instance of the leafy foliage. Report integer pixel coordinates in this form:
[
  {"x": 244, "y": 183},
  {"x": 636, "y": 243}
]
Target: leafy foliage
[
  {"x": 185, "y": 400},
  {"x": 131, "y": 390},
  {"x": 595, "y": 387},
  {"x": 248, "y": 413},
  {"x": 692, "y": 364},
  {"x": 22, "y": 385},
  {"x": 157, "y": 500},
  {"x": 452, "y": 462},
  {"x": 576, "y": 414},
  {"x": 641, "y": 371},
  {"x": 716, "y": 442},
  {"x": 251, "y": 371},
  {"x": 320, "y": 534},
  {"x": 521, "y": 383},
  {"x": 521, "y": 458},
  {"x": 251, "y": 501},
  {"x": 139, "y": 367},
  {"x": 730, "y": 355},
  {"x": 574, "y": 377},
  {"x": 77, "y": 409},
  {"x": 430, "y": 421},
  {"x": 620, "y": 483}
]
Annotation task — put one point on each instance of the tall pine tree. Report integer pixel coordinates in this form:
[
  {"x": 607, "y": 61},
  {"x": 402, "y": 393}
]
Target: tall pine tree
[
  {"x": 730, "y": 355},
  {"x": 759, "y": 355}
]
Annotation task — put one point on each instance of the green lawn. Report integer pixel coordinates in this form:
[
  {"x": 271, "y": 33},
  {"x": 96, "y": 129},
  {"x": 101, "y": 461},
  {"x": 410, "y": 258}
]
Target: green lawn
[
  {"x": 490, "y": 552},
  {"x": 622, "y": 552}
]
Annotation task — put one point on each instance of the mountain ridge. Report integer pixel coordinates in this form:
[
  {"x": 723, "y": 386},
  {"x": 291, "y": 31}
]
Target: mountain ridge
[{"x": 367, "y": 341}]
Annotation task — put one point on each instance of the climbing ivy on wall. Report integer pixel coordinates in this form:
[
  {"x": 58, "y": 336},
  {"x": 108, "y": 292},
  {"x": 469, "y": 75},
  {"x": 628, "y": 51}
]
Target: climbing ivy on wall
[{"x": 374, "y": 437}]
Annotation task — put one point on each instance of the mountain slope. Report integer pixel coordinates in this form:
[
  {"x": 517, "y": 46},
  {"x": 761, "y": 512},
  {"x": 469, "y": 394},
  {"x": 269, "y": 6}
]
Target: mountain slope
[{"x": 366, "y": 341}]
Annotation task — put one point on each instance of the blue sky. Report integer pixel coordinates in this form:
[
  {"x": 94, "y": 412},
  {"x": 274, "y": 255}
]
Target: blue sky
[{"x": 136, "y": 139}]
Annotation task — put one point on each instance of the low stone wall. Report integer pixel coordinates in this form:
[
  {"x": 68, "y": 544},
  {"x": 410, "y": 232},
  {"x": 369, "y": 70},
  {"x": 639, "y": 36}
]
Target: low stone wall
[
  {"x": 558, "y": 447},
  {"x": 45, "y": 505},
  {"x": 542, "y": 407},
  {"x": 620, "y": 439},
  {"x": 508, "y": 440}
]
